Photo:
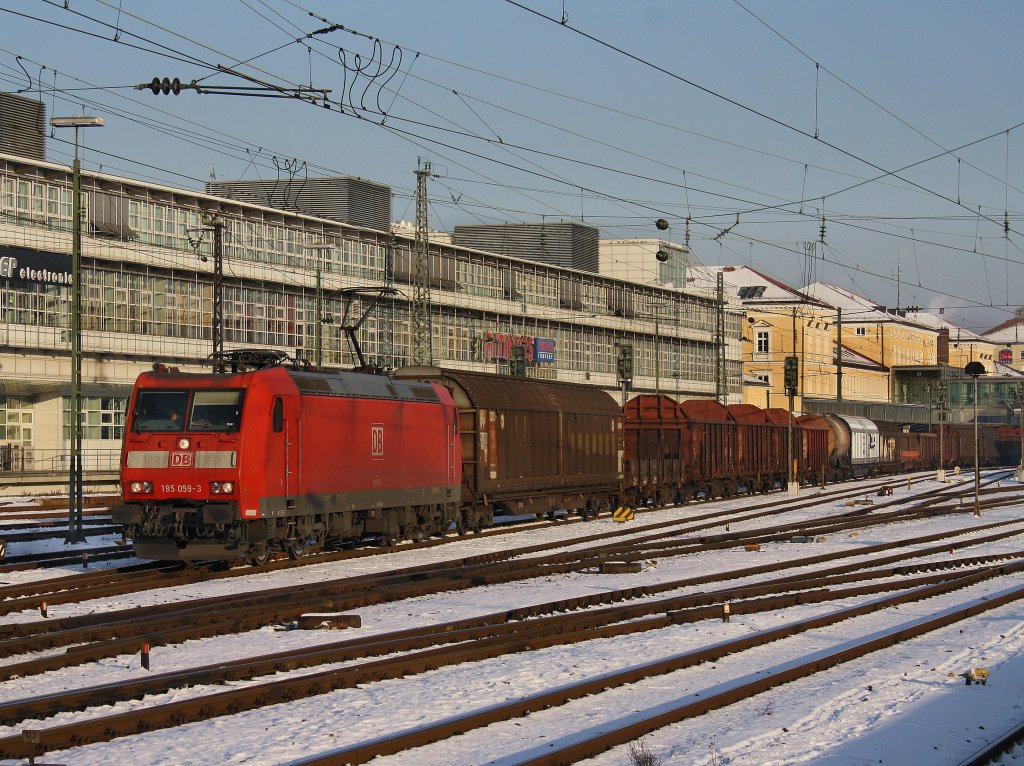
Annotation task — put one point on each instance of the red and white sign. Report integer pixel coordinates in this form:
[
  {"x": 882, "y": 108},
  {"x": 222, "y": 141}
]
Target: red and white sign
[
  {"x": 499, "y": 345},
  {"x": 377, "y": 441},
  {"x": 181, "y": 460}
]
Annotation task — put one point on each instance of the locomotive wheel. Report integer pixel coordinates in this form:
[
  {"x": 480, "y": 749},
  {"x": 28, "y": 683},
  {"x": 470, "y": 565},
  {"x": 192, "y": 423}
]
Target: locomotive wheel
[
  {"x": 259, "y": 554},
  {"x": 296, "y": 548}
]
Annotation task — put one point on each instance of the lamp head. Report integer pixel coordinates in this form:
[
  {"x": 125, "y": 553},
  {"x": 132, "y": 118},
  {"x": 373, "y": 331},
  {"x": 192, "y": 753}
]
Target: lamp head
[{"x": 77, "y": 121}]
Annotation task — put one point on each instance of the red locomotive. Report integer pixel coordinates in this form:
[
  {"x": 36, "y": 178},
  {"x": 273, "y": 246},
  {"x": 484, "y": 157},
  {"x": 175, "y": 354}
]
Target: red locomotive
[{"x": 270, "y": 457}]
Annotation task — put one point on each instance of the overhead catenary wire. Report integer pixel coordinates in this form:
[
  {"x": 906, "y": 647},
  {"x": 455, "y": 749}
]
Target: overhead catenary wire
[
  {"x": 626, "y": 200},
  {"x": 740, "y": 105}
]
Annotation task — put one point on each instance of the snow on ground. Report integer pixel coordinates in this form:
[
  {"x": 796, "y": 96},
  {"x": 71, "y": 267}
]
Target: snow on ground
[{"x": 902, "y": 705}]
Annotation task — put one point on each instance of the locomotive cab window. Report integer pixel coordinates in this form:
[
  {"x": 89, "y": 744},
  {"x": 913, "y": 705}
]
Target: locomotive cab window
[
  {"x": 216, "y": 410},
  {"x": 160, "y": 410}
]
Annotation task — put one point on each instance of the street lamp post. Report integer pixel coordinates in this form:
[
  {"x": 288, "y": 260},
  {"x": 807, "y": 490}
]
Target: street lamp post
[
  {"x": 941, "y": 403},
  {"x": 974, "y": 369},
  {"x": 1020, "y": 428},
  {"x": 655, "y": 309},
  {"x": 75, "y": 531}
]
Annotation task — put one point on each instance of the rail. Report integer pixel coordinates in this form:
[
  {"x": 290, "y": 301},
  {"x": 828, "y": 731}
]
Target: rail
[{"x": 18, "y": 460}]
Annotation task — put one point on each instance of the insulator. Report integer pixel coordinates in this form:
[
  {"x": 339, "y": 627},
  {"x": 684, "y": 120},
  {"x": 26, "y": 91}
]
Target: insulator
[{"x": 165, "y": 86}]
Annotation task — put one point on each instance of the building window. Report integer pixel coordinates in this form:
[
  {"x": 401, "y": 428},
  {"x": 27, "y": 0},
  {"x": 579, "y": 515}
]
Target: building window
[
  {"x": 16, "y": 420},
  {"x": 862, "y": 331},
  {"x": 762, "y": 376},
  {"x": 102, "y": 417},
  {"x": 762, "y": 342}
]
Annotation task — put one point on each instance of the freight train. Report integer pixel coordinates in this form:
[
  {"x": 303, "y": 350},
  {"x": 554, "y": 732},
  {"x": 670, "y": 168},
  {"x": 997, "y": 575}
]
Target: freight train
[{"x": 271, "y": 455}]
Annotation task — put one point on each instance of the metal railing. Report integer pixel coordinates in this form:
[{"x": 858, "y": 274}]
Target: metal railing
[{"x": 16, "y": 459}]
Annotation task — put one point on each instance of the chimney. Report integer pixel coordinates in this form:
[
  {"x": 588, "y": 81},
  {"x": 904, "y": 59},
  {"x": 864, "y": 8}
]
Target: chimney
[{"x": 942, "y": 348}]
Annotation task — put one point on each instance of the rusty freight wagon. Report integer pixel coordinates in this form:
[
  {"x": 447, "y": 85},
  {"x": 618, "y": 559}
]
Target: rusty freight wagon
[
  {"x": 703, "y": 463},
  {"x": 657, "y": 438},
  {"x": 760, "y": 447},
  {"x": 531, "y": 446}
]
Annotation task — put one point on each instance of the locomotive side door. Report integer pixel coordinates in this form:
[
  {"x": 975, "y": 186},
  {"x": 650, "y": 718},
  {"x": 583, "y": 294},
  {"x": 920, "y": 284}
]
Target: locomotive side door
[{"x": 283, "y": 453}]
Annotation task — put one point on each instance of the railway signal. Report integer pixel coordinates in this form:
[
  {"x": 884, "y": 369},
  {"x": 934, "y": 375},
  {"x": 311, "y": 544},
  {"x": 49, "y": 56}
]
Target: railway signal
[
  {"x": 625, "y": 363},
  {"x": 791, "y": 374},
  {"x": 517, "y": 362}
]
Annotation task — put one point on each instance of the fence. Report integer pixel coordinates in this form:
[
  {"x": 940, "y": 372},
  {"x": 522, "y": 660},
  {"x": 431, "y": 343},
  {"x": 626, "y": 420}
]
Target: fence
[{"x": 16, "y": 459}]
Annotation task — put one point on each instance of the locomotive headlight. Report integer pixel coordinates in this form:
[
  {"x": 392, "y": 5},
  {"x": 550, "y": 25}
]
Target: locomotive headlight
[
  {"x": 215, "y": 487},
  {"x": 222, "y": 487},
  {"x": 142, "y": 487},
  {"x": 229, "y": 487},
  {"x": 184, "y": 443}
]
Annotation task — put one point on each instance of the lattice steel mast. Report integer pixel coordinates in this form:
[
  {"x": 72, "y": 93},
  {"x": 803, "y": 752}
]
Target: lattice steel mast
[{"x": 422, "y": 353}]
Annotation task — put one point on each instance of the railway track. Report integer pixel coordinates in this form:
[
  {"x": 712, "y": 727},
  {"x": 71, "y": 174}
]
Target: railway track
[
  {"x": 622, "y": 734},
  {"x": 802, "y": 580},
  {"x": 416, "y": 651},
  {"x": 73, "y": 589}
]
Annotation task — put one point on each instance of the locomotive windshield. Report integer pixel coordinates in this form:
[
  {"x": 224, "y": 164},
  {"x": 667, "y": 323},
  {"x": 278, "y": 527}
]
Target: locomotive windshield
[
  {"x": 216, "y": 410},
  {"x": 183, "y": 410}
]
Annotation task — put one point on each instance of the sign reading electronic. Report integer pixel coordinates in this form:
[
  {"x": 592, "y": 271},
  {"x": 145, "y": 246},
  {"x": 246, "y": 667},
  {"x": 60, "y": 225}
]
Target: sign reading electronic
[{"x": 21, "y": 266}]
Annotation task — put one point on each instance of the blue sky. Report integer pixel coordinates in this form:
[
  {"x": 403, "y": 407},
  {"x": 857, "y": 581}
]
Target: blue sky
[{"x": 629, "y": 111}]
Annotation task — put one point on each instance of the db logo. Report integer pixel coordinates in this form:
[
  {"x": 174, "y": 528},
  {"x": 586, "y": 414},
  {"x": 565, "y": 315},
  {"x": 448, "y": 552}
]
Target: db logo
[
  {"x": 181, "y": 460},
  {"x": 377, "y": 441}
]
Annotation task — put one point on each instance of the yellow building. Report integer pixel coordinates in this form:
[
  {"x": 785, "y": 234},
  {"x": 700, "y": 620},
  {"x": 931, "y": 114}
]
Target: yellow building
[
  {"x": 1008, "y": 341},
  {"x": 781, "y": 322}
]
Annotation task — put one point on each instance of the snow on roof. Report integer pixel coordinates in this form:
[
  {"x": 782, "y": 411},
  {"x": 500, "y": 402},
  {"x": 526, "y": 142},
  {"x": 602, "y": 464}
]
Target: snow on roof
[
  {"x": 1010, "y": 331},
  {"x": 749, "y": 285}
]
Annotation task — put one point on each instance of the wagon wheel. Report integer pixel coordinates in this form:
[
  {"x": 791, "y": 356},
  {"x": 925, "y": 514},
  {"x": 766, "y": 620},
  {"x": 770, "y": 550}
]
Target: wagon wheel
[
  {"x": 296, "y": 547},
  {"x": 259, "y": 554},
  {"x": 631, "y": 498}
]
